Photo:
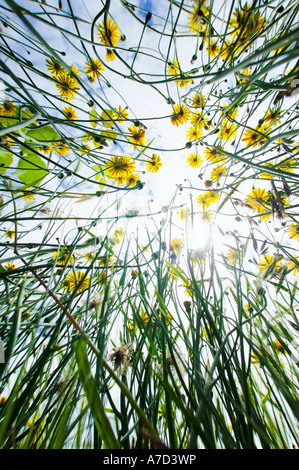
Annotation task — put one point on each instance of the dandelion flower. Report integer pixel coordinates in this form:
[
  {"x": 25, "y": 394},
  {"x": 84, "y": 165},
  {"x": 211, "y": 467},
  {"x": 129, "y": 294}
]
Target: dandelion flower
[
  {"x": 198, "y": 100},
  {"x": 110, "y": 55},
  {"x": 67, "y": 86},
  {"x": 63, "y": 257},
  {"x": 194, "y": 133},
  {"x": 232, "y": 256},
  {"x": 54, "y": 67},
  {"x": 177, "y": 244},
  {"x": 180, "y": 114},
  {"x": 293, "y": 231},
  {"x": 153, "y": 164},
  {"x": 10, "y": 266},
  {"x": 27, "y": 195},
  {"x": 194, "y": 160},
  {"x": 69, "y": 113},
  {"x": 10, "y": 234},
  {"x": 214, "y": 155},
  {"x": 73, "y": 280},
  {"x": 121, "y": 114},
  {"x": 119, "y": 167},
  {"x": 254, "y": 137},
  {"x": 109, "y": 33},
  {"x": 218, "y": 173},
  {"x": 137, "y": 137},
  {"x": 94, "y": 69},
  {"x": 278, "y": 347},
  {"x": 213, "y": 49},
  {"x": 121, "y": 358},
  {"x": 8, "y": 108},
  {"x": 132, "y": 180}
]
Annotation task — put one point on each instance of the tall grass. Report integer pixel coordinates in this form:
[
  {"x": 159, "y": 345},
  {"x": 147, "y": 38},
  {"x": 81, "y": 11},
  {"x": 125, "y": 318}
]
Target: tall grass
[{"x": 128, "y": 321}]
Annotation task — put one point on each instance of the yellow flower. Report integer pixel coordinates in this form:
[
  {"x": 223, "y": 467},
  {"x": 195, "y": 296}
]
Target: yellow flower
[
  {"x": 288, "y": 164},
  {"x": 10, "y": 234},
  {"x": 8, "y": 108},
  {"x": 153, "y": 164},
  {"x": 228, "y": 131},
  {"x": 232, "y": 256},
  {"x": 63, "y": 257},
  {"x": 273, "y": 117},
  {"x": 253, "y": 137},
  {"x": 198, "y": 100},
  {"x": 194, "y": 133},
  {"x": 177, "y": 244},
  {"x": 267, "y": 261},
  {"x": 119, "y": 234},
  {"x": 213, "y": 49},
  {"x": 132, "y": 180},
  {"x": 258, "y": 199},
  {"x": 205, "y": 216},
  {"x": 137, "y": 135},
  {"x": 278, "y": 347},
  {"x": 266, "y": 175},
  {"x": 218, "y": 173},
  {"x": 294, "y": 266},
  {"x": 194, "y": 160},
  {"x": 213, "y": 196},
  {"x": 69, "y": 113},
  {"x": 214, "y": 155},
  {"x": 204, "y": 200},
  {"x": 243, "y": 76},
  {"x": 73, "y": 280},
  {"x": 109, "y": 33},
  {"x": 173, "y": 68},
  {"x": 198, "y": 120},
  {"x": 293, "y": 231},
  {"x": 255, "y": 359},
  {"x": 184, "y": 214},
  {"x": 110, "y": 55},
  {"x": 180, "y": 114},
  {"x": 198, "y": 18},
  {"x": 67, "y": 86},
  {"x": 27, "y": 195},
  {"x": 10, "y": 266},
  {"x": 3, "y": 400},
  {"x": 84, "y": 149},
  {"x": 245, "y": 22},
  {"x": 54, "y": 67},
  {"x": 182, "y": 83},
  {"x": 121, "y": 114},
  {"x": 94, "y": 69},
  {"x": 61, "y": 148},
  {"x": 119, "y": 167}
]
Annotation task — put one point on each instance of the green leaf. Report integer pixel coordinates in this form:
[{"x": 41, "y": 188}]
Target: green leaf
[
  {"x": 43, "y": 133},
  {"x": 108, "y": 117},
  {"x": 95, "y": 403},
  {"x": 31, "y": 168},
  {"x": 93, "y": 117},
  {"x": 6, "y": 159},
  {"x": 110, "y": 135}
]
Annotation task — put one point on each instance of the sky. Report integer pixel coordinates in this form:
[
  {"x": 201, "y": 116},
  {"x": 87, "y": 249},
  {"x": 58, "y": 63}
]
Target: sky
[{"x": 145, "y": 104}]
